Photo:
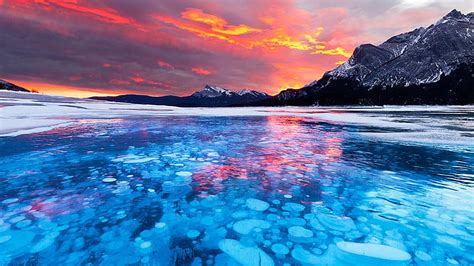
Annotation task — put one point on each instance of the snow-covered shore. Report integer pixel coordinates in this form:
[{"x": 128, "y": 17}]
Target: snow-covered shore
[{"x": 26, "y": 113}]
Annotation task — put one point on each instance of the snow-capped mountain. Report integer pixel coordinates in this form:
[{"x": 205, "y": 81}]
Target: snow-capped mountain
[
  {"x": 422, "y": 58},
  {"x": 209, "y": 96},
  {"x": 213, "y": 91},
  {"x": 5, "y": 85}
]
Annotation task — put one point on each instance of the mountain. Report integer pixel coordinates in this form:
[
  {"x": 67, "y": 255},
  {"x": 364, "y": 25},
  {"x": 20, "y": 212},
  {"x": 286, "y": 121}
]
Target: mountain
[
  {"x": 432, "y": 65},
  {"x": 210, "y": 96},
  {"x": 4, "y": 85}
]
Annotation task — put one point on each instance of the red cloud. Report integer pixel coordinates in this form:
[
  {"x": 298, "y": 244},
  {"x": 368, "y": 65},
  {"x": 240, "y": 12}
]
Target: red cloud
[
  {"x": 201, "y": 71},
  {"x": 164, "y": 64}
]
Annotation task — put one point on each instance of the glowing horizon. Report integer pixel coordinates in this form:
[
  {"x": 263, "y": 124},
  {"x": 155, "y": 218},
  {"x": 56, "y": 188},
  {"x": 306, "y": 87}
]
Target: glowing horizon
[{"x": 84, "y": 48}]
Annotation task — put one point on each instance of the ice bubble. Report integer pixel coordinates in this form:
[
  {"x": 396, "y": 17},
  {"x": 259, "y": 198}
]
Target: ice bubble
[
  {"x": 338, "y": 223},
  {"x": 317, "y": 251},
  {"x": 239, "y": 214},
  {"x": 256, "y": 204},
  {"x": 299, "y": 232},
  {"x": 207, "y": 220},
  {"x": 8, "y": 201},
  {"x": 273, "y": 217},
  {"x": 280, "y": 249},
  {"x": 197, "y": 262},
  {"x": 293, "y": 207},
  {"x": 184, "y": 173},
  {"x": 248, "y": 256},
  {"x": 42, "y": 245},
  {"x": 452, "y": 261},
  {"x": 297, "y": 221},
  {"x": 109, "y": 179},
  {"x": 276, "y": 202},
  {"x": 288, "y": 196},
  {"x": 371, "y": 254},
  {"x": 305, "y": 256},
  {"x": 193, "y": 234},
  {"x": 160, "y": 225},
  {"x": 17, "y": 244},
  {"x": 315, "y": 224},
  {"x": 422, "y": 255},
  {"x": 5, "y": 238},
  {"x": 273, "y": 210},
  {"x": 145, "y": 245},
  {"x": 17, "y": 219},
  {"x": 23, "y": 223},
  {"x": 140, "y": 160},
  {"x": 244, "y": 227}
]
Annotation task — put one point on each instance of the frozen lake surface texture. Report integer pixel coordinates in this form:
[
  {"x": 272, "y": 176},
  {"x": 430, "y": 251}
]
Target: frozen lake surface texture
[{"x": 94, "y": 183}]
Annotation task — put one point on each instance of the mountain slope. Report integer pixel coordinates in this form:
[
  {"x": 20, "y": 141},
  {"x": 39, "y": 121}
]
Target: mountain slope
[
  {"x": 4, "y": 85},
  {"x": 405, "y": 69},
  {"x": 210, "y": 96}
]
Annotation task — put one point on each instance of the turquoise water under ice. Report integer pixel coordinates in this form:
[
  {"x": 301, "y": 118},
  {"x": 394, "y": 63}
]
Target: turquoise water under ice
[{"x": 223, "y": 191}]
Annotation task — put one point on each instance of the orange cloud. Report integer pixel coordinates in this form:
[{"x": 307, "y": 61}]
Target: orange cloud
[
  {"x": 335, "y": 51},
  {"x": 267, "y": 20},
  {"x": 217, "y": 24},
  {"x": 201, "y": 71},
  {"x": 278, "y": 37},
  {"x": 192, "y": 28}
]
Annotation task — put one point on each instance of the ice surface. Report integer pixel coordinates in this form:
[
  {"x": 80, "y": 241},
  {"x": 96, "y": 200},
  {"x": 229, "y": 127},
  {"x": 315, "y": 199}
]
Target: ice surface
[
  {"x": 156, "y": 185},
  {"x": 412, "y": 124}
]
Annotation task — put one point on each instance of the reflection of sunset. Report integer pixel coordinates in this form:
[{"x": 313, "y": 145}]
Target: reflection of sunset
[
  {"x": 291, "y": 152},
  {"x": 333, "y": 150},
  {"x": 209, "y": 177},
  {"x": 54, "y": 206}
]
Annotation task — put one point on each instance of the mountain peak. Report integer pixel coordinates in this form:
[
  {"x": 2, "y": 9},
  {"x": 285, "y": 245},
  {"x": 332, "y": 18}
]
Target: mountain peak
[
  {"x": 210, "y": 91},
  {"x": 454, "y": 14}
]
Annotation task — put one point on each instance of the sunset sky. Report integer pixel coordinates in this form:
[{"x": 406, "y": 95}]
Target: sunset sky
[{"x": 161, "y": 47}]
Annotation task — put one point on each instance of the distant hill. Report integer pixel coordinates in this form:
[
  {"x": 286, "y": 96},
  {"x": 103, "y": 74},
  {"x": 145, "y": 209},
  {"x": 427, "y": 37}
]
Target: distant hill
[
  {"x": 433, "y": 65},
  {"x": 210, "y": 96},
  {"x": 4, "y": 85}
]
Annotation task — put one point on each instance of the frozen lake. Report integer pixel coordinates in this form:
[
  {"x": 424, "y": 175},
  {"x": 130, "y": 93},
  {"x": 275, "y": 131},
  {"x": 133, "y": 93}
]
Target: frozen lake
[{"x": 85, "y": 182}]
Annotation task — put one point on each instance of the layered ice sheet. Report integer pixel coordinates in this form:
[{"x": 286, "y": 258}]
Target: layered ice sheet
[{"x": 126, "y": 184}]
